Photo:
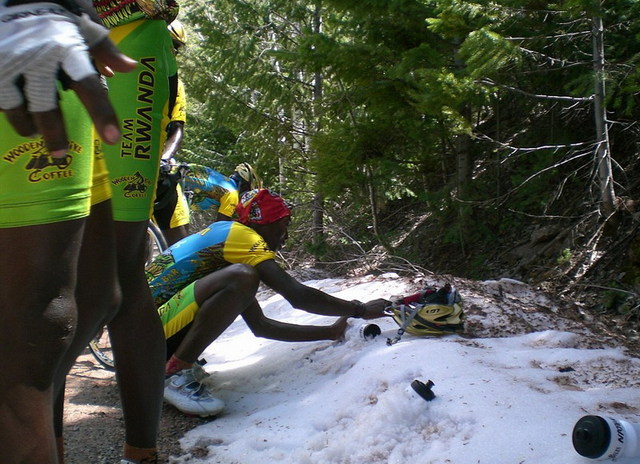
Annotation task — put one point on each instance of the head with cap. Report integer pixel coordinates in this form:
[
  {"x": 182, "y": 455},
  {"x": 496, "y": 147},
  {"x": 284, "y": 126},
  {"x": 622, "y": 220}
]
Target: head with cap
[
  {"x": 267, "y": 213},
  {"x": 246, "y": 178}
]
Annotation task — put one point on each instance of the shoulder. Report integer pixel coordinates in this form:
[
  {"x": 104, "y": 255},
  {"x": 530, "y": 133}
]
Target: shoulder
[
  {"x": 245, "y": 245},
  {"x": 211, "y": 235},
  {"x": 240, "y": 230}
]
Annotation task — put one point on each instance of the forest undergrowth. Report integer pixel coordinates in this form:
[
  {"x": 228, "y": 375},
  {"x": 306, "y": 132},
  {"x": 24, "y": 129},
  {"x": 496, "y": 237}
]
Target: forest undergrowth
[{"x": 591, "y": 266}]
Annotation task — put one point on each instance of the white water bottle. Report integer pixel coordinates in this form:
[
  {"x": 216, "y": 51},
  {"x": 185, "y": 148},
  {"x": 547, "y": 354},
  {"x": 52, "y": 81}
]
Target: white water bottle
[
  {"x": 606, "y": 438},
  {"x": 369, "y": 331}
]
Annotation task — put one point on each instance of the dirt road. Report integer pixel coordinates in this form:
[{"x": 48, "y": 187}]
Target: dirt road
[{"x": 94, "y": 428}]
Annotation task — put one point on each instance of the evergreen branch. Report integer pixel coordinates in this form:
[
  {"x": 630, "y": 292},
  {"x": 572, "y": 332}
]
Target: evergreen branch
[
  {"x": 564, "y": 63},
  {"x": 541, "y": 216},
  {"x": 532, "y": 149},
  {"x": 539, "y": 96},
  {"x": 542, "y": 171},
  {"x": 549, "y": 37},
  {"x": 503, "y": 198}
]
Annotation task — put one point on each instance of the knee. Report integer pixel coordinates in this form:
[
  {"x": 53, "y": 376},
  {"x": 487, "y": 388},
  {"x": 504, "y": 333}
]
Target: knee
[
  {"x": 57, "y": 324},
  {"x": 98, "y": 306},
  {"x": 44, "y": 340},
  {"x": 238, "y": 282},
  {"x": 243, "y": 278}
]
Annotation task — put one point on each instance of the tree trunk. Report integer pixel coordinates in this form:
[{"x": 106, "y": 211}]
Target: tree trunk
[
  {"x": 464, "y": 160},
  {"x": 603, "y": 153},
  {"x": 373, "y": 206},
  {"x": 464, "y": 165},
  {"x": 463, "y": 182},
  {"x": 318, "y": 220},
  {"x": 318, "y": 199}
]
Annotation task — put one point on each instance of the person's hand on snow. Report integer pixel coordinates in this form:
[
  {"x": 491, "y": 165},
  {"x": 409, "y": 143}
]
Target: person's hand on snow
[
  {"x": 339, "y": 328},
  {"x": 42, "y": 44}
]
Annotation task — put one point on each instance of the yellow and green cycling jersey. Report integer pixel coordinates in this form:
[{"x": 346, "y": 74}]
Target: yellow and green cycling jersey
[
  {"x": 142, "y": 99},
  {"x": 171, "y": 208},
  {"x": 172, "y": 276},
  {"x": 210, "y": 191}
]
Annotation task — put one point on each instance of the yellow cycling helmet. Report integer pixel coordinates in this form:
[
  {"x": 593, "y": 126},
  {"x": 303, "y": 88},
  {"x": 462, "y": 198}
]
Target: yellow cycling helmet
[
  {"x": 245, "y": 172},
  {"x": 430, "y": 312},
  {"x": 178, "y": 34}
]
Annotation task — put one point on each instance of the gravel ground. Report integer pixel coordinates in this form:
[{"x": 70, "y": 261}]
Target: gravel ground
[{"x": 94, "y": 428}]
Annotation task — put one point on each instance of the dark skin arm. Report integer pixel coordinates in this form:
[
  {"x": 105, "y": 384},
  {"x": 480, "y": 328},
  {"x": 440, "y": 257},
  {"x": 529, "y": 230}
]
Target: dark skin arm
[
  {"x": 262, "y": 326},
  {"x": 222, "y": 217},
  {"x": 175, "y": 134},
  {"x": 312, "y": 300}
]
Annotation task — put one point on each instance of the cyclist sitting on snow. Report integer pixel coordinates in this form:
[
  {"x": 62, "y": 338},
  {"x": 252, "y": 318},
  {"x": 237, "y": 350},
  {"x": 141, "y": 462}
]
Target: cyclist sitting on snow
[{"x": 202, "y": 283}]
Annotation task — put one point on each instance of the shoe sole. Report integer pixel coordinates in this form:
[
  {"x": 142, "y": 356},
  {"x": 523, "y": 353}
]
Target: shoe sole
[{"x": 214, "y": 411}]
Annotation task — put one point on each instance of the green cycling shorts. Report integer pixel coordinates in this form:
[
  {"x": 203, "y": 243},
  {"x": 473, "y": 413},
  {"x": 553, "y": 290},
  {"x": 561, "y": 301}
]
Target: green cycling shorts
[
  {"x": 176, "y": 315},
  {"x": 37, "y": 189}
]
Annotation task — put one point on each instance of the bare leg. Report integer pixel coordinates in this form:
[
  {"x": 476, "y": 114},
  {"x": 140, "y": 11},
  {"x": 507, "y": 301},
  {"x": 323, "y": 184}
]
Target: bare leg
[
  {"x": 222, "y": 296},
  {"x": 137, "y": 340},
  {"x": 97, "y": 295},
  {"x": 38, "y": 318}
]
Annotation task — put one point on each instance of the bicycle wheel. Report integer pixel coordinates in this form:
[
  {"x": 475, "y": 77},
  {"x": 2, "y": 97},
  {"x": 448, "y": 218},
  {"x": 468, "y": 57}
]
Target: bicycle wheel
[
  {"x": 156, "y": 242},
  {"x": 100, "y": 346}
]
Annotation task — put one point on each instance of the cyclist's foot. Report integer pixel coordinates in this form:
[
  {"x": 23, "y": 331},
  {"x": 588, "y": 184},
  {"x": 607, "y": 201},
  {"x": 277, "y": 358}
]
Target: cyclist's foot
[{"x": 186, "y": 393}]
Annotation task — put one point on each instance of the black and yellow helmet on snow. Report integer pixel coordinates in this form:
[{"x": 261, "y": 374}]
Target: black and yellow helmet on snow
[{"x": 430, "y": 312}]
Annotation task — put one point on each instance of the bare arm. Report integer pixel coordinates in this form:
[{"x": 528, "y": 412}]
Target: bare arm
[
  {"x": 222, "y": 217},
  {"x": 313, "y": 300},
  {"x": 262, "y": 326},
  {"x": 175, "y": 134}
]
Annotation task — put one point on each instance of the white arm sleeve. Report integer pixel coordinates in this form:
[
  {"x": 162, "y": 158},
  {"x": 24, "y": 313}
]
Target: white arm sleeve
[{"x": 36, "y": 41}]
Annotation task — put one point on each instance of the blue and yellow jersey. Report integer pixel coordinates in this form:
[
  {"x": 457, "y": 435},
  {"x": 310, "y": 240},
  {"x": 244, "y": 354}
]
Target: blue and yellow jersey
[
  {"x": 200, "y": 254},
  {"x": 212, "y": 191}
]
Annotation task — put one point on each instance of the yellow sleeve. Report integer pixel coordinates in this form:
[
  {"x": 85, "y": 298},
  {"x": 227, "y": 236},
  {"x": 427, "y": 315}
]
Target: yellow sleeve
[
  {"x": 179, "y": 112},
  {"x": 245, "y": 245},
  {"x": 228, "y": 203}
]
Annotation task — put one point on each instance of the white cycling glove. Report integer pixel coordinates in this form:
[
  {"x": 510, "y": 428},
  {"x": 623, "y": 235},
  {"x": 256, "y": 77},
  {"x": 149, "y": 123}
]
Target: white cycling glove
[{"x": 37, "y": 41}]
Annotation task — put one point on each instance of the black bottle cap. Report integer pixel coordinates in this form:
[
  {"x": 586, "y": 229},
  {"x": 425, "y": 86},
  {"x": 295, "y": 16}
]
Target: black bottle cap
[
  {"x": 424, "y": 390},
  {"x": 591, "y": 436}
]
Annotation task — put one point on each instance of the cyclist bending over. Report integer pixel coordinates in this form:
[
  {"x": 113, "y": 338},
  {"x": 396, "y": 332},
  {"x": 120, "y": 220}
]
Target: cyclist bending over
[{"x": 202, "y": 284}]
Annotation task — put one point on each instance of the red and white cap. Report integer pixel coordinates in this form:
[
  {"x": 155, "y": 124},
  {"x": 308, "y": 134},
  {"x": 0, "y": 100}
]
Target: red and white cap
[{"x": 261, "y": 206}]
